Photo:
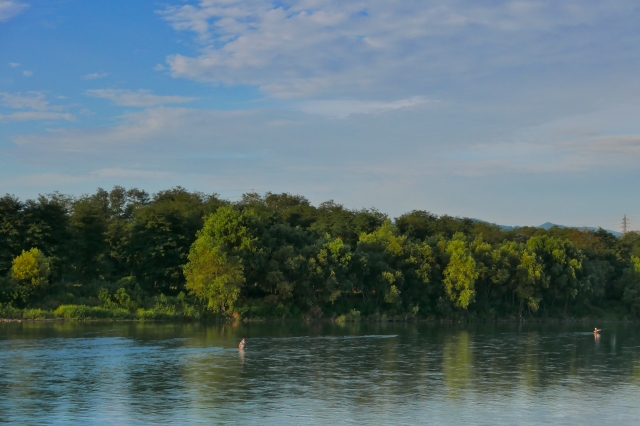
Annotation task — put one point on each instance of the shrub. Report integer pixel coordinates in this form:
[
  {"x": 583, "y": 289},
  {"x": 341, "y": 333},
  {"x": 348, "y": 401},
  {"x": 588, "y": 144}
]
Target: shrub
[
  {"x": 36, "y": 314},
  {"x": 8, "y": 311},
  {"x": 90, "y": 312}
]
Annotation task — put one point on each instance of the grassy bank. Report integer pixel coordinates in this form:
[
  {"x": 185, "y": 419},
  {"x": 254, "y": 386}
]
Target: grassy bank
[
  {"x": 83, "y": 312},
  {"x": 192, "y": 314}
]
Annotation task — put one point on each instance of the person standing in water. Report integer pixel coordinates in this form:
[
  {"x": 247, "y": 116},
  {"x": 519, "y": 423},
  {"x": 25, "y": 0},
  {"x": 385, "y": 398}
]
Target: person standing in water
[
  {"x": 595, "y": 330},
  {"x": 242, "y": 344}
]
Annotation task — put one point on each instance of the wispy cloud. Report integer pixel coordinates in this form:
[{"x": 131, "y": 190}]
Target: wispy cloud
[
  {"x": 27, "y": 73},
  {"x": 14, "y": 64},
  {"x": 30, "y": 100},
  {"x": 10, "y": 9},
  {"x": 348, "y": 47},
  {"x": 141, "y": 98},
  {"x": 345, "y": 108},
  {"x": 36, "y": 104},
  {"x": 36, "y": 115},
  {"x": 95, "y": 75}
]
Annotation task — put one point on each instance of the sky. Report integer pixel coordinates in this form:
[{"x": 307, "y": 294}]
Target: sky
[{"x": 514, "y": 112}]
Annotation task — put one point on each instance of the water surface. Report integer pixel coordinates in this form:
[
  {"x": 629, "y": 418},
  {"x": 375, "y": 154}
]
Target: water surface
[{"x": 137, "y": 373}]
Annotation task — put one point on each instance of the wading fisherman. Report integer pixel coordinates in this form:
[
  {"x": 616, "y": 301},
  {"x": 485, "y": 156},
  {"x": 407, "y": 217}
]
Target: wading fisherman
[{"x": 242, "y": 344}]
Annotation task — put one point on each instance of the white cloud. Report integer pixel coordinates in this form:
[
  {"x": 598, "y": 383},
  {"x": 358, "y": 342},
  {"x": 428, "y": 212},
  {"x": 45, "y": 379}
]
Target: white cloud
[
  {"x": 37, "y": 105},
  {"x": 30, "y": 100},
  {"x": 95, "y": 75},
  {"x": 36, "y": 115},
  {"x": 10, "y": 9},
  {"x": 27, "y": 73},
  {"x": 345, "y": 108},
  {"x": 396, "y": 160},
  {"x": 14, "y": 64},
  {"x": 306, "y": 48},
  {"x": 608, "y": 138},
  {"x": 141, "y": 98},
  {"x": 415, "y": 142}
]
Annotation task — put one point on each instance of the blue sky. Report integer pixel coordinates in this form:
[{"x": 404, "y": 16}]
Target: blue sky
[{"x": 517, "y": 112}]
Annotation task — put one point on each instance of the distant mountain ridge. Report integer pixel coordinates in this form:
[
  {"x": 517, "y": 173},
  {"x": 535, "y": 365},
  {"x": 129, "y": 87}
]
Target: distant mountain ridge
[{"x": 548, "y": 225}]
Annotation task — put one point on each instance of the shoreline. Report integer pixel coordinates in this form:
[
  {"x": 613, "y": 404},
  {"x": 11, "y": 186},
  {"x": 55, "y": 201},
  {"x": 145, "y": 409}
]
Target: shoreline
[{"x": 272, "y": 320}]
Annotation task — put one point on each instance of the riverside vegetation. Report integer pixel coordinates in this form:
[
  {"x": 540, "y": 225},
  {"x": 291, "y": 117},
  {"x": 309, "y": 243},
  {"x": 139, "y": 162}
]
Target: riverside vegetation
[{"x": 124, "y": 254}]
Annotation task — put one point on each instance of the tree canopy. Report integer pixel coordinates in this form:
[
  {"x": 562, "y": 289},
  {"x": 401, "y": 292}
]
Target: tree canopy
[{"x": 277, "y": 254}]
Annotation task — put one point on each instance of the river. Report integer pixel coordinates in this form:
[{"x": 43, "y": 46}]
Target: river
[{"x": 319, "y": 373}]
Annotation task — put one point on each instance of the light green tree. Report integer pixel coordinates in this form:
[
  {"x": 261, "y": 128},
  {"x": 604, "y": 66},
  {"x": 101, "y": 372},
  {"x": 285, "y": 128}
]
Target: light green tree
[
  {"x": 530, "y": 281},
  {"x": 213, "y": 276},
  {"x": 31, "y": 268},
  {"x": 214, "y": 272},
  {"x": 460, "y": 273},
  {"x": 29, "y": 274}
]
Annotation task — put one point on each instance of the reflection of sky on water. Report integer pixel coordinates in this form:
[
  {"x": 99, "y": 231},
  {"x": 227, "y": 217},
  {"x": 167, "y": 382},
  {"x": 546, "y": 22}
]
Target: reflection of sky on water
[{"x": 320, "y": 373}]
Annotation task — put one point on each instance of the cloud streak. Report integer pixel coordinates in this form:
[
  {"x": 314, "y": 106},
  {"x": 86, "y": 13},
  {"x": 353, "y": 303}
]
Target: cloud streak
[
  {"x": 345, "y": 108},
  {"x": 37, "y": 105},
  {"x": 141, "y": 98},
  {"x": 301, "y": 48},
  {"x": 36, "y": 115},
  {"x": 95, "y": 76},
  {"x": 10, "y": 9},
  {"x": 30, "y": 100}
]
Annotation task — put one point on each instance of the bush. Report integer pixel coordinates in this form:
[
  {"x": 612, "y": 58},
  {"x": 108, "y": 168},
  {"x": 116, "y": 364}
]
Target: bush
[
  {"x": 353, "y": 316},
  {"x": 9, "y": 312},
  {"x": 90, "y": 312},
  {"x": 36, "y": 314}
]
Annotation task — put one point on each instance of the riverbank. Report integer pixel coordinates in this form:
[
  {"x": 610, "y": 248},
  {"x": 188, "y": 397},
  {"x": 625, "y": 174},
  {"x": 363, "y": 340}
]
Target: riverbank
[{"x": 92, "y": 313}]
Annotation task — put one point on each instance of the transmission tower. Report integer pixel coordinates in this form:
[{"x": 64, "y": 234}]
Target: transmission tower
[{"x": 625, "y": 224}]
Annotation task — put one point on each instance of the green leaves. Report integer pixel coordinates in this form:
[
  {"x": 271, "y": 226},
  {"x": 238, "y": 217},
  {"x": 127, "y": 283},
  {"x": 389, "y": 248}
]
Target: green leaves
[
  {"x": 460, "y": 273},
  {"x": 212, "y": 276},
  {"x": 278, "y": 254},
  {"x": 31, "y": 268}
]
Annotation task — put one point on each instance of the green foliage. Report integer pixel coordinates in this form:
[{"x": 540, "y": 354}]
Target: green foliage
[
  {"x": 36, "y": 314},
  {"x": 212, "y": 276},
  {"x": 31, "y": 269},
  {"x": 29, "y": 276},
  {"x": 79, "y": 312},
  {"x": 126, "y": 254},
  {"x": 8, "y": 311},
  {"x": 631, "y": 282},
  {"x": 460, "y": 273}
]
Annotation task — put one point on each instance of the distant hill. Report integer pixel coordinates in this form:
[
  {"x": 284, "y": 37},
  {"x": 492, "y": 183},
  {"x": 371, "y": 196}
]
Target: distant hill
[{"x": 548, "y": 225}]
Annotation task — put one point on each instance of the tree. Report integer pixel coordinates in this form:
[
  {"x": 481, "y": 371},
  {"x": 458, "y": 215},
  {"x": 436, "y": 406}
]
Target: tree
[
  {"x": 530, "y": 279},
  {"x": 12, "y": 230},
  {"x": 631, "y": 282},
  {"x": 417, "y": 224},
  {"x": 461, "y": 273},
  {"x": 562, "y": 261},
  {"x": 161, "y": 234},
  {"x": 31, "y": 268},
  {"x": 29, "y": 273},
  {"x": 212, "y": 276},
  {"x": 215, "y": 269}
]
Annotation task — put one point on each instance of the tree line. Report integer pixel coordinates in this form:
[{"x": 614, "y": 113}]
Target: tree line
[{"x": 279, "y": 255}]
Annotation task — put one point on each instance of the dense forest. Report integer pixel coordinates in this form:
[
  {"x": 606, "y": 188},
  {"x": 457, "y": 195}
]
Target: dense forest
[{"x": 180, "y": 254}]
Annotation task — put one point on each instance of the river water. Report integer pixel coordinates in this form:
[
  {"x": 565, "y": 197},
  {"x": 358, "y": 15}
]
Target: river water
[{"x": 323, "y": 373}]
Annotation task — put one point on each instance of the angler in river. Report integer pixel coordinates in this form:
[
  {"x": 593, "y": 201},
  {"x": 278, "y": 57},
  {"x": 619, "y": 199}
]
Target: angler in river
[{"x": 242, "y": 344}]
